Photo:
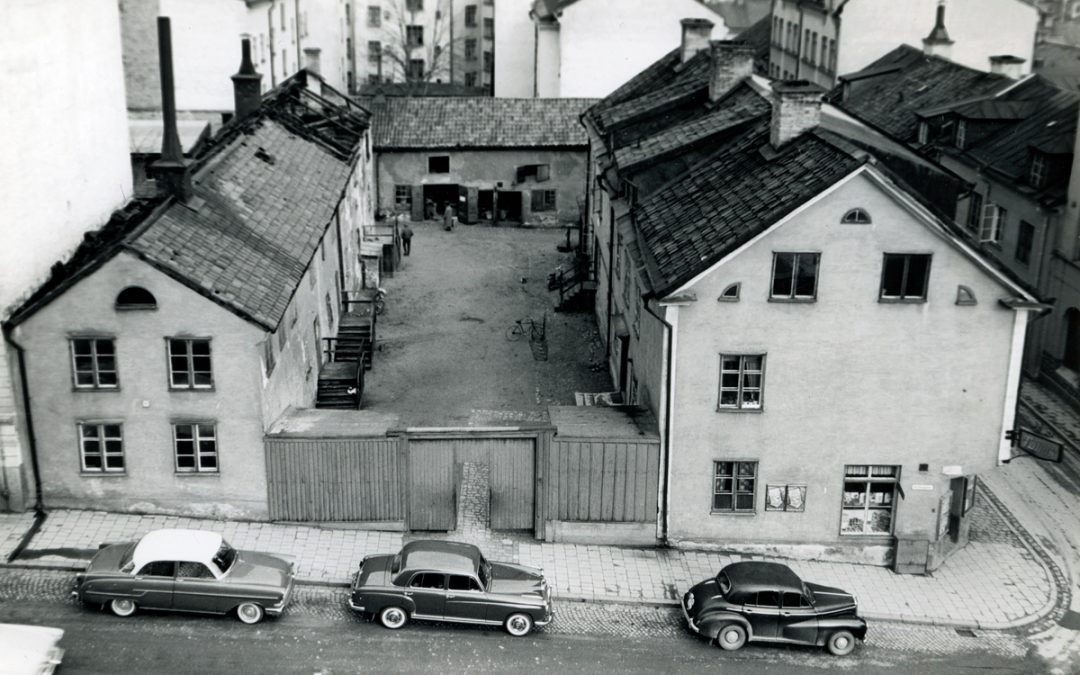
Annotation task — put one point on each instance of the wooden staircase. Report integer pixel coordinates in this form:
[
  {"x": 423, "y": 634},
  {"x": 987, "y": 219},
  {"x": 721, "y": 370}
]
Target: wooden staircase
[
  {"x": 576, "y": 288},
  {"x": 341, "y": 385},
  {"x": 347, "y": 355}
]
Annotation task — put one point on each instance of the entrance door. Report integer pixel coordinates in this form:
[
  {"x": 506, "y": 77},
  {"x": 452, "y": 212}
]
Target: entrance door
[
  {"x": 512, "y": 483},
  {"x": 432, "y": 505},
  {"x": 1071, "y": 356}
]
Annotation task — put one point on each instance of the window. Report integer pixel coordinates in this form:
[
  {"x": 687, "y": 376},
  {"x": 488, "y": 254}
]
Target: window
[
  {"x": 741, "y": 381},
  {"x": 832, "y": 56},
  {"x": 856, "y": 217},
  {"x": 470, "y": 79},
  {"x": 158, "y": 568},
  {"x": 1037, "y": 170},
  {"x": 268, "y": 355},
  {"x": 438, "y": 164},
  {"x": 764, "y": 599},
  {"x": 731, "y": 293},
  {"x": 993, "y": 223},
  {"x": 430, "y": 580},
  {"x": 869, "y": 499},
  {"x": 195, "y": 446},
  {"x": 1024, "y": 239},
  {"x": 101, "y": 447},
  {"x": 318, "y": 342},
  {"x": 93, "y": 362},
  {"x": 135, "y": 297},
  {"x": 416, "y": 70},
  {"x": 489, "y": 62},
  {"x": 924, "y": 133},
  {"x": 543, "y": 200},
  {"x": 414, "y": 5},
  {"x": 470, "y": 49},
  {"x": 794, "y": 601},
  {"x": 961, "y": 133},
  {"x": 794, "y": 276},
  {"x": 785, "y": 498},
  {"x": 189, "y": 364},
  {"x": 489, "y": 28},
  {"x": 974, "y": 211},
  {"x": 414, "y": 36},
  {"x": 374, "y": 51},
  {"x": 541, "y": 172},
  {"x": 460, "y": 582},
  {"x": 403, "y": 197},
  {"x": 905, "y": 276},
  {"x": 374, "y": 16},
  {"x": 373, "y": 78},
  {"x": 965, "y": 296},
  {"x": 733, "y": 487},
  {"x": 823, "y": 63},
  {"x": 193, "y": 570},
  {"x": 470, "y": 16},
  {"x": 282, "y": 15}
]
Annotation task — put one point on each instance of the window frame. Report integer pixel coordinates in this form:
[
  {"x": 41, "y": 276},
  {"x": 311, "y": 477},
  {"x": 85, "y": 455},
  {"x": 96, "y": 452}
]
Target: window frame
[
  {"x": 1037, "y": 170},
  {"x": 196, "y": 441},
  {"x": 432, "y": 158},
  {"x": 992, "y": 224},
  {"x": 375, "y": 51},
  {"x": 403, "y": 198},
  {"x": 868, "y": 481},
  {"x": 734, "y": 492},
  {"x": 135, "y": 306},
  {"x": 95, "y": 367},
  {"x": 904, "y": 296},
  {"x": 975, "y": 211},
  {"x": 1025, "y": 240},
  {"x": 793, "y": 295},
  {"x": 102, "y": 451},
  {"x": 960, "y": 137},
  {"x": 414, "y": 35},
  {"x": 470, "y": 16},
  {"x": 740, "y": 390},
  {"x": 544, "y": 201},
  {"x": 190, "y": 357}
]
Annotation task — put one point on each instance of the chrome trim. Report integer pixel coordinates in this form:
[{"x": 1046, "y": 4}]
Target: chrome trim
[
  {"x": 355, "y": 607},
  {"x": 429, "y": 617},
  {"x": 686, "y": 614}
]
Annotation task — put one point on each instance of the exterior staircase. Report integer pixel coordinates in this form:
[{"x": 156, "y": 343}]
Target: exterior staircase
[
  {"x": 347, "y": 355},
  {"x": 341, "y": 385},
  {"x": 575, "y": 286}
]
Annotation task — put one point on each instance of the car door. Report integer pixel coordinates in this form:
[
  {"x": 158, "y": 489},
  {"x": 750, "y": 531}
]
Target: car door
[
  {"x": 465, "y": 600},
  {"x": 763, "y": 611},
  {"x": 197, "y": 590},
  {"x": 798, "y": 620},
  {"x": 152, "y": 586},
  {"x": 428, "y": 592}
]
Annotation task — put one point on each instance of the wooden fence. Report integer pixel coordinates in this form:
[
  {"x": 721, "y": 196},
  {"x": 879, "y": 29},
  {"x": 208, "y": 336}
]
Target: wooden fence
[{"x": 595, "y": 480}]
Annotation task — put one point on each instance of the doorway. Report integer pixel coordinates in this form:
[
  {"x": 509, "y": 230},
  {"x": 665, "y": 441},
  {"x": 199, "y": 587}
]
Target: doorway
[{"x": 1071, "y": 352}]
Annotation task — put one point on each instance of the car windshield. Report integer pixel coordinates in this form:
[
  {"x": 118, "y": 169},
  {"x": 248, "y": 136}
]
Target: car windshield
[
  {"x": 483, "y": 570},
  {"x": 724, "y": 583},
  {"x": 225, "y": 556}
]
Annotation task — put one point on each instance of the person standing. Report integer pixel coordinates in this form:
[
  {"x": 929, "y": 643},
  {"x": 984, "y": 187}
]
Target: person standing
[
  {"x": 449, "y": 218},
  {"x": 406, "y": 238}
]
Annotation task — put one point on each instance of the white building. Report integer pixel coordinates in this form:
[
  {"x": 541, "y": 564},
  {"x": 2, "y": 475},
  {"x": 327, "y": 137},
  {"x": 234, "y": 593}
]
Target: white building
[{"x": 65, "y": 164}]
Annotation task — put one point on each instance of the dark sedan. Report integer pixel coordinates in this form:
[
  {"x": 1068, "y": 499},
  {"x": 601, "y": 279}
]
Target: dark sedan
[
  {"x": 767, "y": 602},
  {"x": 186, "y": 571},
  {"x": 450, "y": 581}
]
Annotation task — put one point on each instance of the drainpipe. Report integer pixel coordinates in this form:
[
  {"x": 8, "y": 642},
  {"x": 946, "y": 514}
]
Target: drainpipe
[
  {"x": 610, "y": 281},
  {"x": 39, "y": 503},
  {"x": 340, "y": 257},
  {"x": 299, "y": 32},
  {"x": 665, "y": 431},
  {"x": 273, "y": 50},
  {"x": 799, "y": 41}
]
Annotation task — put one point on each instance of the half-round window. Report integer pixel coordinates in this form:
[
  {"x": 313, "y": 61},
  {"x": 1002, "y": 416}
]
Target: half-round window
[
  {"x": 856, "y": 217},
  {"x": 965, "y": 296},
  {"x": 730, "y": 294},
  {"x": 136, "y": 297}
]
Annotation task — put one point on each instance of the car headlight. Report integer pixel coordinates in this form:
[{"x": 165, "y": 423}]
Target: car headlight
[{"x": 689, "y": 600}]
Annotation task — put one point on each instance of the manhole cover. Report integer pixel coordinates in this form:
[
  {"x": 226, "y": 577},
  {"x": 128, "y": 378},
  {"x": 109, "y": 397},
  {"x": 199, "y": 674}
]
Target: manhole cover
[
  {"x": 1071, "y": 620},
  {"x": 965, "y": 632}
]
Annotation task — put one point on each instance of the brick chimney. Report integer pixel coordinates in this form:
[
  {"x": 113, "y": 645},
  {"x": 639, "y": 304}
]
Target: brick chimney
[
  {"x": 172, "y": 171},
  {"x": 732, "y": 62},
  {"x": 796, "y": 107},
  {"x": 937, "y": 43},
  {"x": 695, "y": 37},
  {"x": 247, "y": 84},
  {"x": 1007, "y": 65}
]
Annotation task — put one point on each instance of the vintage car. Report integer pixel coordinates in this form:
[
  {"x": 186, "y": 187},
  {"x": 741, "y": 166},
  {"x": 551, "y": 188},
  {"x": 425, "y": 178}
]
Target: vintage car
[
  {"x": 186, "y": 571},
  {"x": 767, "y": 602},
  {"x": 450, "y": 581},
  {"x": 29, "y": 650}
]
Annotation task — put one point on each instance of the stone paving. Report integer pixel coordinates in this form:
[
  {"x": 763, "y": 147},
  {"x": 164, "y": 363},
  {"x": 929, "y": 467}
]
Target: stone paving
[{"x": 12, "y": 528}]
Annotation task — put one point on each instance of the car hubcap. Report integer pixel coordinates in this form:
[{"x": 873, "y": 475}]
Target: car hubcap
[
  {"x": 518, "y": 625},
  {"x": 731, "y": 637},
  {"x": 394, "y": 617},
  {"x": 249, "y": 612},
  {"x": 841, "y": 643},
  {"x": 123, "y": 605}
]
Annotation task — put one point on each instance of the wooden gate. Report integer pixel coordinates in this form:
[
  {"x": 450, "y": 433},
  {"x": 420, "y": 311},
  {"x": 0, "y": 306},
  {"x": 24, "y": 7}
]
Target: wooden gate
[
  {"x": 432, "y": 485},
  {"x": 512, "y": 483}
]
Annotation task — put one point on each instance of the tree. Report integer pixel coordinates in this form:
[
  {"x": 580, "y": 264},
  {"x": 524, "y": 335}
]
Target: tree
[{"x": 417, "y": 39}]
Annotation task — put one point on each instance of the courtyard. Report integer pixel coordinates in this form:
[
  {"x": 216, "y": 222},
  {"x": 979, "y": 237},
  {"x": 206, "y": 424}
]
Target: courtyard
[{"x": 442, "y": 356}]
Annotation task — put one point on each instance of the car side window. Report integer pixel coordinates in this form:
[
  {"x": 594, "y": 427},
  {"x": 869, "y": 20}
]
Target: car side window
[
  {"x": 159, "y": 568},
  {"x": 795, "y": 601},
  {"x": 428, "y": 580},
  {"x": 194, "y": 570},
  {"x": 460, "y": 582},
  {"x": 768, "y": 599}
]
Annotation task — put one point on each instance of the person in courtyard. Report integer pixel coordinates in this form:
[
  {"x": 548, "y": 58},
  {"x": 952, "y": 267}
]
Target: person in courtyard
[
  {"x": 406, "y": 238},
  {"x": 449, "y": 218}
]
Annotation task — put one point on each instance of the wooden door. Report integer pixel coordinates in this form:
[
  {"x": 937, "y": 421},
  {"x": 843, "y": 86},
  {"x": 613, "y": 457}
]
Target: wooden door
[
  {"x": 431, "y": 486},
  {"x": 512, "y": 483}
]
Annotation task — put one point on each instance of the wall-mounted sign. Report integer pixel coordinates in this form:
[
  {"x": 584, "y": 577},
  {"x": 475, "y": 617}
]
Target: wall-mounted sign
[
  {"x": 952, "y": 470},
  {"x": 922, "y": 486}
]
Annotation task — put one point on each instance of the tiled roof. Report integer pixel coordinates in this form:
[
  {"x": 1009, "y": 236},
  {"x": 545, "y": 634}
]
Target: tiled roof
[
  {"x": 655, "y": 76},
  {"x": 890, "y": 90},
  {"x": 267, "y": 199},
  {"x": 479, "y": 122},
  {"x": 692, "y": 77},
  {"x": 420, "y": 89},
  {"x": 723, "y": 202},
  {"x": 1059, "y": 63}
]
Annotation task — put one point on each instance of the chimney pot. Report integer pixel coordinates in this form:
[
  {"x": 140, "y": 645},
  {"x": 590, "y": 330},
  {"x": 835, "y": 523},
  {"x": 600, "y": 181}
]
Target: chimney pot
[
  {"x": 172, "y": 171},
  {"x": 796, "y": 108},
  {"x": 938, "y": 43},
  {"x": 1007, "y": 65},
  {"x": 247, "y": 83},
  {"x": 731, "y": 63},
  {"x": 695, "y": 37}
]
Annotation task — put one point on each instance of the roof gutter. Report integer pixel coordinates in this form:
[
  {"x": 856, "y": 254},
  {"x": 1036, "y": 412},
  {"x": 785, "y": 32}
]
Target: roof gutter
[{"x": 24, "y": 384}]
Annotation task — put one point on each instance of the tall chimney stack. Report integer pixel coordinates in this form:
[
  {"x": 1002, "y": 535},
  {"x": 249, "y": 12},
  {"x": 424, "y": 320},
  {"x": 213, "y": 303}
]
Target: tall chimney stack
[
  {"x": 247, "y": 84},
  {"x": 937, "y": 43},
  {"x": 172, "y": 171},
  {"x": 796, "y": 108},
  {"x": 732, "y": 62},
  {"x": 1007, "y": 65},
  {"x": 695, "y": 37}
]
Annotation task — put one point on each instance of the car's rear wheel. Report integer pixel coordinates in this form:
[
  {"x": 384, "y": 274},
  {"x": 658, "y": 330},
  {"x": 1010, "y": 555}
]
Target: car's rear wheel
[
  {"x": 122, "y": 607},
  {"x": 841, "y": 643},
  {"x": 518, "y": 625},
  {"x": 393, "y": 617},
  {"x": 732, "y": 636},
  {"x": 249, "y": 613}
]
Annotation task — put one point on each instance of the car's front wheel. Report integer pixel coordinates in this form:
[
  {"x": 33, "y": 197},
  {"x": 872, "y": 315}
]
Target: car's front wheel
[
  {"x": 249, "y": 613},
  {"x": 393, "y": 617},
  {"x": 518, "y": 625},
  {"x": 731, "y": 637},
  {"x": 841, "y": 643},
  {"x": 122, "y": 607}
]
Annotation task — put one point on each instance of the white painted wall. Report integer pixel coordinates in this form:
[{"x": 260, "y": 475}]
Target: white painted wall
[
  {"x": 206, "y": 50},
  {"x": 515, "y": 44}
]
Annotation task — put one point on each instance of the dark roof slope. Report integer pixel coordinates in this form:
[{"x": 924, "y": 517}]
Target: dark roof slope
[
  {"x": 741, "y": 14},
  {"x": 420, "y": 89},
  {"x": 759, "y": 37},
  {"x": 480, "y": 122}
]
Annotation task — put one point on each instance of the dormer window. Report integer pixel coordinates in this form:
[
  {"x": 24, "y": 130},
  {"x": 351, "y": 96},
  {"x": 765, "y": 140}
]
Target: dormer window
[
  {"x": 135, "y": 297},
  {"x": 1037, "y": 170},
  {"x": 924, "y": 133},
  {"x": 961, "y": 134}
]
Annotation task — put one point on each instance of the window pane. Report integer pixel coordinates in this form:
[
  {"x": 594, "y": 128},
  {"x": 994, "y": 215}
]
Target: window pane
[
  {"x": 782, "y": 274},
  {"x": 107, "y": 379},
  {"x": 206, "y": 431},
  {"x": 200, "y": 347},
  {"x": 854, "y": 494},
  {"x": 751, "y": 399},
  {"x": 208, "y": 462},
  {"x": 729, "y": 363},
  {"x": 105, "y": 347},
  {"x": 184, "y": 431},
  {"x": 729, "y": 380},
  {"x": 724, "y": 485},
  {"x": 892, "y": 281},
  {"x": 92, "y": 461},
  {"x": 918, "y": 266},
  {"x": 881, "y": 494},
  {"x": 747, "y": 468},
  {"x": 880, "y": 521},
  {"x": 114, "y": 462},
  {"x": 83, "y": 378},
  {"x": 725, "y": 468},
  {"x": 880, "y": 471},
  {"x": 852, "y": 522},
  {"x": 178, "y": 347},
  {"x": 792, "y": 600},
  {"x": 729, "y": 398},
  {"x": 752, "y": 363},
  {"x": 185, "y": 461},
  {"x": 807, "y": 275},
  {"x": 768, "y": 599},
  {"x": 112, "y": 430},
  {"x": 81, "y": 347},
  {"x": 203, "y": 379},
  {"x": 207, "y": 447},
  {"x": 744, "y": 502},
  {"x": 722, "y": 502}
]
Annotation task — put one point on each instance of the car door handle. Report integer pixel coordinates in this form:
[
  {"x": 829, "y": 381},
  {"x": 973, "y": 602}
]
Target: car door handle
[
  {"x": 408, "y": 592},
  {"x": 451, "y": 595},
  {"x": 785, "y": 613}
]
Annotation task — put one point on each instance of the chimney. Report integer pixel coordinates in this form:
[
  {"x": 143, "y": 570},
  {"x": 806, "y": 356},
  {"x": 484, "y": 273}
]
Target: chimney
[
  {"x": 695, "y": 37},
  {"x": 172, "y": 171},
  {"x": 937, "y": 43},
  {"x": 1007, "y": 65},
  {"x": 796, "y": 107},
  {"x": 247, "y": 84},
  {"x": 732, "y": 62},
  {"x": 312, "y": 59}
]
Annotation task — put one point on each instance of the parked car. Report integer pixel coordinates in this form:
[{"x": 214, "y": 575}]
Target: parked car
[
  {"x": 450, "y": 581},
  {"x": 29, "y": 650},
  {"x": 186, "y": 571},
  {"x": 767, "y": 602}
]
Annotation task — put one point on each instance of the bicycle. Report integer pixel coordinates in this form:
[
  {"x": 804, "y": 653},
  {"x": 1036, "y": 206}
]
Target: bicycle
[{"x": 520, "y": 328}]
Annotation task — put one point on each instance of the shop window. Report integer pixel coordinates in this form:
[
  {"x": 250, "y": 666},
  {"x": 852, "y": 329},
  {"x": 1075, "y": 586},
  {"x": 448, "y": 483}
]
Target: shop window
[
  {"x": 869, "y": 499},
  {"x": 734, "y": 487}
]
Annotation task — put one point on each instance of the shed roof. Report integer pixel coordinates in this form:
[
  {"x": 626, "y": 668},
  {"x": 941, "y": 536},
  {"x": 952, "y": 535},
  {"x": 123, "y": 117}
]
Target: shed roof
[{"x": 604, "y": 422}]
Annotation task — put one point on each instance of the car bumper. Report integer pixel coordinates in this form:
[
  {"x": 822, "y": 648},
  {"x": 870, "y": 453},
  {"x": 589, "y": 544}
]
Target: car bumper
[
  {"x": 355, "y": 607},
  {"x": 548, "y": 618},
  {"x": 276, "y": 610},
  {"x": 686, "y": 615}
]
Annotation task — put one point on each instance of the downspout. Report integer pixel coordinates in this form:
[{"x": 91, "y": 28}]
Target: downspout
[
  {"x": 451, "y": 46},
  {"x": 665, "y": 434},
  {"x": 340, "y": 255},
  {"x": 610, "y": 287},
  {"x": 39, "y": 502},
  {"x": 799, "y": 41},
  {"x": 298, "y": 31},
  {"x": 273, "y": 50}
]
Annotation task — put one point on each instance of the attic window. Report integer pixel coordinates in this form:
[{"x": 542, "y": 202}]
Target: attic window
[
  {"x": 541, "y": 172},
  {"x": 731, "y": 293},
  {"x": 965, "y": 296},
  {"x": 961, "y": 134},
  {"x": 856, "y": 217},
  {"x": 924, "y": 133},
  {"x": 438, "y": 164},
  {"x": 1037, "y": 170},
  {"x": 135, "y": 297}
]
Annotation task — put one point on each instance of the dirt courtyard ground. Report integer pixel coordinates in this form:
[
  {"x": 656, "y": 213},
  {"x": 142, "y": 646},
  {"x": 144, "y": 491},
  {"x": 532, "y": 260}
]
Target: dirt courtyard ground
[{"x": 442, "y": 357}]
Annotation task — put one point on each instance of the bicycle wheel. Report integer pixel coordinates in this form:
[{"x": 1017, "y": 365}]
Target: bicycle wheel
[{"x": 514, "y": 333}]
